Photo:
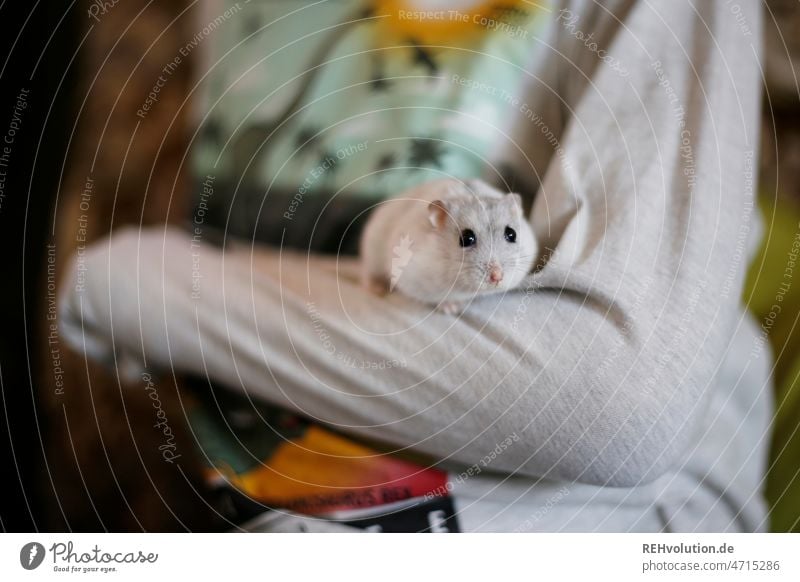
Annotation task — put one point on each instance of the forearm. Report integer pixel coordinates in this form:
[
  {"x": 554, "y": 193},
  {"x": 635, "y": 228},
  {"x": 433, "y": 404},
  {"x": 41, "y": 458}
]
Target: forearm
[
  {"x": 541, "y": 367},
  {"x": 303, "y": 336}
]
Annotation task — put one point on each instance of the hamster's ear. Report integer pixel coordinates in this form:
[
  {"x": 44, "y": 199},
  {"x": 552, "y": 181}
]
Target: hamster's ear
[
  {"x": 515, "y": 201},
  {"x": 437, "y": 213}
]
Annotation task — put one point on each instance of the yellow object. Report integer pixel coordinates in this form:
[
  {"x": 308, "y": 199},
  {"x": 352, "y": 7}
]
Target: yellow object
[{"x": 454, "y": 23}]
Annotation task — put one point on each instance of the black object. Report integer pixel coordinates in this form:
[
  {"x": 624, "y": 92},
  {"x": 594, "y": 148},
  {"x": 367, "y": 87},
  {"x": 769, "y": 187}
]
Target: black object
[{"x": 35, "y": 105}]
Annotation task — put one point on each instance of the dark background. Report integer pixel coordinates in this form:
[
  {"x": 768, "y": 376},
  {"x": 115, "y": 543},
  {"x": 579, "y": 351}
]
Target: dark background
[{"x": 31, "y": 182}]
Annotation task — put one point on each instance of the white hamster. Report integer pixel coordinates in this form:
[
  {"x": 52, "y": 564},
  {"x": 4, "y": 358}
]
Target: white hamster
[{"x": 446, "y": 241}]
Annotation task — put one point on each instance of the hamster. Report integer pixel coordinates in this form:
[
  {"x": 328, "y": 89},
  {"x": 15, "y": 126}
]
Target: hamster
[{"x": 445, "y": 242}]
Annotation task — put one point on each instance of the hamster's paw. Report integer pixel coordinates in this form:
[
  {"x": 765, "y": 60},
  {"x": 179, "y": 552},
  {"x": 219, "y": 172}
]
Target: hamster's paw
[
  {"x": 451, "y": 307},
  {"x": 376, "y": 285}
]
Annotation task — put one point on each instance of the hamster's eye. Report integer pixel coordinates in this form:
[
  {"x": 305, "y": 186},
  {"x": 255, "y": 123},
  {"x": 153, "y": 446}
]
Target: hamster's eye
[
  {"x": 468, "y": 238},
  {"x": 511, "y": 234}
]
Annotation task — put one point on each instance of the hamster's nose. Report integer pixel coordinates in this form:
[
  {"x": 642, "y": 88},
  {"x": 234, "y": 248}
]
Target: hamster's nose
[{"x": 495, "y": 273}]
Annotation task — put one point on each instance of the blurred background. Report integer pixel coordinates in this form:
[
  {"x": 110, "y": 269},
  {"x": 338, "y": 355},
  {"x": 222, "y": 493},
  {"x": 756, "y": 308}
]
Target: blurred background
[{"x": 72, "y": 82}]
